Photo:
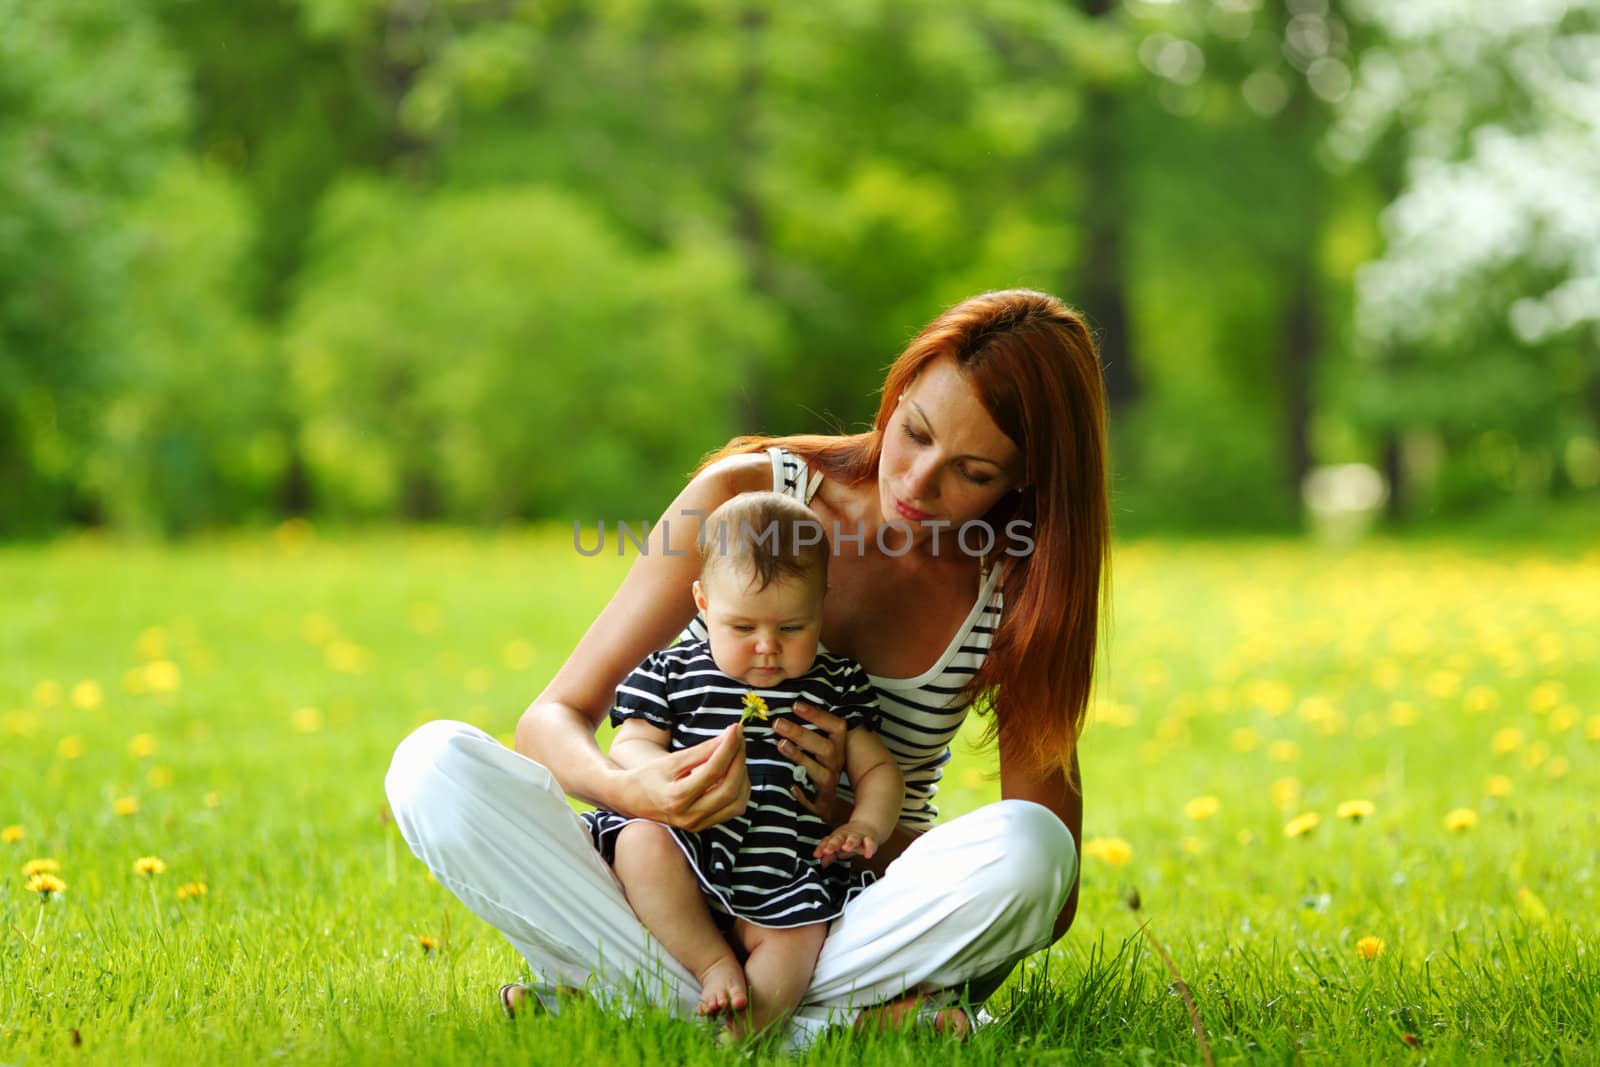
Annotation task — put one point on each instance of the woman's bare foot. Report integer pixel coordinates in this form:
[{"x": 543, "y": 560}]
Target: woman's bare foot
[
  {"x": 911, "y": 1009},
  {"x": 723, "y": 988}
]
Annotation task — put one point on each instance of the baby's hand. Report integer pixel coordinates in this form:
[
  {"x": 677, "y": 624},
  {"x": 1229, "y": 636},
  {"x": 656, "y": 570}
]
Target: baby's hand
[{"x": 851, "y": 839}]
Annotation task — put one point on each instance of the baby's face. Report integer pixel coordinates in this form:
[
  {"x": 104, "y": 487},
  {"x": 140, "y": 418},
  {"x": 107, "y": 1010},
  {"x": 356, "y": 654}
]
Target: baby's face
[{"x": 760, "y": 637}]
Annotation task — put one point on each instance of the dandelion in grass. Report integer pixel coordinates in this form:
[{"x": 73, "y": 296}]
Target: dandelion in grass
[
  {"x": 142, "y": 746},
  {"x": 1497, "y": 785},
  {"x": 87, "y": 695},
  {"x": 191, "y": 890},
  {"x": 12, "y": 834},
  {"x": 1285, "y": 792},
  {"x": 70, "y": 747},
  {"x": 1109, "y": 850},
  {"x": 307, "y": 720},
  {"x": 212, "y": 800},
  {"x": 46, "y": 885},
  {"x": 149, "y": 866},
  {"x": 1302, "y": 824},
  {"x": 754, "y": 707},
  {"x": 125, "y": 806},
  {"x": 1461, "y": 820},
  {"x": 1370, "y": 947},
  {"x": 428, "y": 944},
  {"x": 1203, "y": 807},
  {"x": 40, "y": 866},
  {"x": 1356, "y": 810},
  {"x": 161, "y": 676},
  {"x": 1506, "y": 741}
]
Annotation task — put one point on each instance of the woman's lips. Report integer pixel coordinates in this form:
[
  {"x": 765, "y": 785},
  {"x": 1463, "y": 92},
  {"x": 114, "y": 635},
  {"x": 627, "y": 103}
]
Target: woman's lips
[{"x": 908, "y": 512}]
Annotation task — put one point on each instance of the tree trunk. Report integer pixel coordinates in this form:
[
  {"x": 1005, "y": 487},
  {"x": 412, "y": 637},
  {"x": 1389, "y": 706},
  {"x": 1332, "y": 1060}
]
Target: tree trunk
[{"x": 1100, "y": 290}]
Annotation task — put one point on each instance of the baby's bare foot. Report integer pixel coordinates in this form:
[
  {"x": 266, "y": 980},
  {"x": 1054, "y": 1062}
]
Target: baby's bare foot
[{"x": 722, "y": 987}]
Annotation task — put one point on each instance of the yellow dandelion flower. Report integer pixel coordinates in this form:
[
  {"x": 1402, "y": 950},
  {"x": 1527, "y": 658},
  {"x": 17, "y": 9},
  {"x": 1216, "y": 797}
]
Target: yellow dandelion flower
[
  {"x": 1112, "y": 850},
  {"x": 428, "y": 944},
  {"x": 1244, "y": 739},
  {"x": 212, "y": 800},
  {"x": 87, "y": 695},
  {"x": 1202, "y": 807},
  {"x": 1591, "y": 729},
  {"x": 12, "y": 834},
  {"x": 133, "y": 681},
  {"x": 1545, "y": 696},
  {"x": 47, "y": 693},
  {"x": 160, "y": 778},
  {"x": 1283, "y": 752},
  {"x": 1301, "y": 824},
  {"x": 1497, "y": 785},
  {"x": 307, "y": 720},
  {"x": 1192, "y": 845},
  {"x": 1285, "y": 792},
  {"x": 1563, "y": 719},
  {"x": 161, "y": 676},
  {"x": 142, "y": 746},
  {"x": 1506, "y": 741},
  {"x": 1557, "y": 768},
  {"x": 1531, "y": 907},
  {"x": 1480, "y": 699},
  {"x": 1461, "y": 819},
  {"x": 1245, "y": 837},
  {"x": 1356, "y": 810},
  {"x": 1370, "y": 947},
  {"x": 1402, "y": 713},
  {"x": 754, "y": 707},
  {"x": 517, "y": 654},
  {"x": 149, "y": 866},
  {"x": 1442, "y": 685},
  {"x": 1535, "y": 754},
  {"x": 46, "y": 885},
  {"x": 70, "y": 747},
  {"x": 189, "y": 890},
  {"x": 40, "y": 866},
  {"x": 125, "y": 806}
]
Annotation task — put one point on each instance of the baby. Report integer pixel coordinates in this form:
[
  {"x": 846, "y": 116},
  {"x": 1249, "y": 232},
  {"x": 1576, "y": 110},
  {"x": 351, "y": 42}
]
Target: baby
[{"x": 767, "y": 874}]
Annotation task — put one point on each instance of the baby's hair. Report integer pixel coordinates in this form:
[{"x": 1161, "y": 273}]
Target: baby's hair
[{"x": 775, "y": 536}]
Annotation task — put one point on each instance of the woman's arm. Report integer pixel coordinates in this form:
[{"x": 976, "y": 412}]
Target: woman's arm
[
  {"x": 694, "y": 788},
  {"x": 1062, "y": 793}
]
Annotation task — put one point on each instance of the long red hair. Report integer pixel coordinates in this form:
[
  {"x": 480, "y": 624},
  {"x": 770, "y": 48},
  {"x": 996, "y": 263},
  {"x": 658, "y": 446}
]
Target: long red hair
[{"x": 1033, "y": 362}]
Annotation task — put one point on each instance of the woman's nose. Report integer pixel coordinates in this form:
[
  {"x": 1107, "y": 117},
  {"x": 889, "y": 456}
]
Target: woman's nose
[{"x": 924, "y": 481}]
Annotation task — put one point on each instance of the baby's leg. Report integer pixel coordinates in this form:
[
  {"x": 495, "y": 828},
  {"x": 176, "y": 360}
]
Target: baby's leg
[
  {"x": 663, "y": 892},
  {"x": 778, "y": 971}
]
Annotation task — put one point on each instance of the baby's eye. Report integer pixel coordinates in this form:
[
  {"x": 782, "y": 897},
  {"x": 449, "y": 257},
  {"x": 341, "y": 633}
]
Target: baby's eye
[
  {"x": 793, "y": 629},
  {"x": 742, "y": 628}
]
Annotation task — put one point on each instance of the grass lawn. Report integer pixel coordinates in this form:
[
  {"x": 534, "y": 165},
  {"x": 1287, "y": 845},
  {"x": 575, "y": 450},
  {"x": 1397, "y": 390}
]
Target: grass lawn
[{"x": 229, "y": 707}]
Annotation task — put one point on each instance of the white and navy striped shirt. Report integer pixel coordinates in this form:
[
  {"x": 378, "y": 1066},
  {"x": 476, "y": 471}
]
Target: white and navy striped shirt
[
  {"x": 757, "y": 865},
  {"x": 918, "y": 717}
]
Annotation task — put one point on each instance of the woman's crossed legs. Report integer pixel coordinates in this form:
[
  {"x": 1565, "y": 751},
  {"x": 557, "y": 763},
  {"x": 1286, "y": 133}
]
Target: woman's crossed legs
[{"x": 965, "y": 902}]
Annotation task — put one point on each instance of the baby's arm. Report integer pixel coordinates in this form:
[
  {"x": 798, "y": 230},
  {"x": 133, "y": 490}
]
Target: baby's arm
[
  {"x": 636, "y": 743},
  {"x": 880, "y": 790}
]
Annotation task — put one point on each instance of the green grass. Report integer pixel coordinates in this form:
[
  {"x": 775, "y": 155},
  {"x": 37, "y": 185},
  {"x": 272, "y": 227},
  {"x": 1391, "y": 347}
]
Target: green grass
[{"x": 1275, "y": 677}]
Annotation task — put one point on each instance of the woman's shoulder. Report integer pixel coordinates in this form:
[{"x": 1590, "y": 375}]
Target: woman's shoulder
[{"x": 748, "y": 472}]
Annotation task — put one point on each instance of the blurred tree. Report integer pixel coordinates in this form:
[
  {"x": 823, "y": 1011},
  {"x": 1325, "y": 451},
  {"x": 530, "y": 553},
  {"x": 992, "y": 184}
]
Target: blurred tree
[
  {"x": 1481, "y": 320},
  {"x": 92, "y": 102},
  {"x": 502, "y": 354}
]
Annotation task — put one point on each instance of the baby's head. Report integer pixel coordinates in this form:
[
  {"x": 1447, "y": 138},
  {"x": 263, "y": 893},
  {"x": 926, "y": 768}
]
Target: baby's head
[{"x": 763, "y": 573}]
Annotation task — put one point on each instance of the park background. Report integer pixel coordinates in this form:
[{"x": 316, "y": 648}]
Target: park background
[{"x": 322, "y": 320}]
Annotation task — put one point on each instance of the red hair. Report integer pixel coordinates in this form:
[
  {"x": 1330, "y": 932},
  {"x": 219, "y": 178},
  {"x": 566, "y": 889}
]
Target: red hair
[{"x": 1033, "y": 362}]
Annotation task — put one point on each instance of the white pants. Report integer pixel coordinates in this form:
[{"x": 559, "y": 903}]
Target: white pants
[{"x": 962, "y": 905}]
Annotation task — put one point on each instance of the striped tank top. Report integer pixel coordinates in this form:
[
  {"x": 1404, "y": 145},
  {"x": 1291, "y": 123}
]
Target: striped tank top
[{"x": 918, "y": 717}]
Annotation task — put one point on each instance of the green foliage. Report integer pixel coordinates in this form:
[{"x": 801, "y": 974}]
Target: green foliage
[
  {"x": 506, "y": 354},
  {"x": 92, "y": 100},
  {"x": 188, "y": 433}
]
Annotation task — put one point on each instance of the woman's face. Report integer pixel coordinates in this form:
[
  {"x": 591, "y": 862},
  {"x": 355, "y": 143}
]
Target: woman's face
[{"x": 944, "y": 459}]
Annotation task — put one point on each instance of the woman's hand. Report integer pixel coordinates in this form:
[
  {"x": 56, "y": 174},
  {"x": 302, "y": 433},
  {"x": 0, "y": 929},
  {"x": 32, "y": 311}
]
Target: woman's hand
[
  {"x": 819, "y": 752},
  {"x": 697, "y": 787}
]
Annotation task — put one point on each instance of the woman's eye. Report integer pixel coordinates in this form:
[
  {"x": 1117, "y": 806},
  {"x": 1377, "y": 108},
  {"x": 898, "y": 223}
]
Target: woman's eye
[
  {"x": 914, "y": 435},
  {"x": 977, "y": 479}
]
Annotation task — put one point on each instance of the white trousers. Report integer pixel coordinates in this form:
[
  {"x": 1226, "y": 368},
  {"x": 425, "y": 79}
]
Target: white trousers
[{"x": 961, "y": 905}]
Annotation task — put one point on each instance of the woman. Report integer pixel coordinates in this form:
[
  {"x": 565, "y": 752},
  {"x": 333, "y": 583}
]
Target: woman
[{"x": 970, "y": 536}]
